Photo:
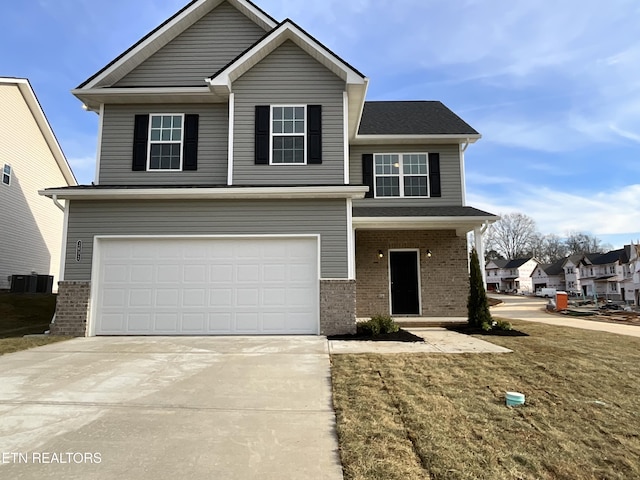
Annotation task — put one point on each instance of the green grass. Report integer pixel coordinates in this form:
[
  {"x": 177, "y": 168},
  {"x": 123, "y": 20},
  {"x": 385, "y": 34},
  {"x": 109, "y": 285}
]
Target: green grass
[
  {"x": 25, "y": 314},
  {"x": 444, "y": 416}
]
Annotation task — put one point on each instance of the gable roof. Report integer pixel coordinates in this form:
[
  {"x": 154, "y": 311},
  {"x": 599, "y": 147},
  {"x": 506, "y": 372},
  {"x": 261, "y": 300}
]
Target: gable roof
[
  {"x": 412, "y": 118},
  {"x": 167, "y": 31},
  {"x": 517, "y": 262},
  {"x": 43, "y": 124},
  {"x": 498, "y": 262},
  {"x": 286, "y": 30},
  {"x": 551, "y": 269}
]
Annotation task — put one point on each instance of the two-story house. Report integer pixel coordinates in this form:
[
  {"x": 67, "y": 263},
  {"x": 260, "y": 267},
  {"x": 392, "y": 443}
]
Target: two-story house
[
  {"x": 549, "y": 275},
  {"x": 30, "y": 160},
  {"x": 512, "y": 276},
  {"x": 601, "y": 274},
  {"x": 245, "y": 186}
]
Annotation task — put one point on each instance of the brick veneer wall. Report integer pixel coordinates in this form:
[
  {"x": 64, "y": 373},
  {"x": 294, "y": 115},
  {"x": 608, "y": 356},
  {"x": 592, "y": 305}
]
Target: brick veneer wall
[
  {"x": 444, "y": 276},
  {"x": 72, "y": 309},
  {"x": 337, "y": 307}
]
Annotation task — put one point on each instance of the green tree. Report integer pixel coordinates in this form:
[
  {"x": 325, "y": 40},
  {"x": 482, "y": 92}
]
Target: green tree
[{"x": 477, "y": 306}]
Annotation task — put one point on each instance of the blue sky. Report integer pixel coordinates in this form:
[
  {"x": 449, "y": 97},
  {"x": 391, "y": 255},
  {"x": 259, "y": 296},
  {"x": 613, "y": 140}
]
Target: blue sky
[{"x": 554, "y": 91}]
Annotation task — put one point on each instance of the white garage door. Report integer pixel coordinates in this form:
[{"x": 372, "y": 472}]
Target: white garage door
[{"x": 215, "y": 286}]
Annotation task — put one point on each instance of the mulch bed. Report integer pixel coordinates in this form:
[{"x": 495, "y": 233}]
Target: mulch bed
[
  {"x": 399, "y": 336},
  {"x": 468, "y": 330}
]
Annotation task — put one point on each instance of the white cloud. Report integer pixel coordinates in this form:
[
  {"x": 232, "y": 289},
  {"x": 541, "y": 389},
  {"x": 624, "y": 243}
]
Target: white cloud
[{"x": 601, "y": 213}]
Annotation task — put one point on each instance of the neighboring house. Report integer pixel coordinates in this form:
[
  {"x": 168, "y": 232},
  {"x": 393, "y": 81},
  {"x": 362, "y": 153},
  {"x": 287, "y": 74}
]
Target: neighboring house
[
  {"x": 601, "y": 274},
  {"x": 494, "y": 272},
  {"x": 630, "y": 286},
  {"x": 511, "y": 275},
  {"x": 244, "y": 186},
  {"x": 572, "y": 274},
  {"x": 30, "y": 160},
  {"x": 549, "y": 275}
]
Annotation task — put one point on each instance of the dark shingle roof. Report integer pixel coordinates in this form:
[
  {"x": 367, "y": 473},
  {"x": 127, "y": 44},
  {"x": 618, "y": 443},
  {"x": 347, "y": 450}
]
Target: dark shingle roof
[
  {"x": 499, "y": 262},
  {"x": 419, "y": 212},
  {"x": 517, "y": 262},
  {"x": 411, "y": 118},
  {"x": 611, "y": 257},
  {"x": 555, "y": 268}
]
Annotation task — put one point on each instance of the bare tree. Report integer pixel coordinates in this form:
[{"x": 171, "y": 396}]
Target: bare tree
[
  {"x": 579, "y": 242},
  {"x": 512, "y": 235},
  {"x": 549, "y": 248}
]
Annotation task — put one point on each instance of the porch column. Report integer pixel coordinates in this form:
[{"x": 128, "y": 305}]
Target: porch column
[{"x": 477, "y": 235}]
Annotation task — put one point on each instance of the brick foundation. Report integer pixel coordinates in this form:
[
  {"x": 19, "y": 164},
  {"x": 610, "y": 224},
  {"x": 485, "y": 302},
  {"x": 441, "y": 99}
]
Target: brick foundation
[
  {"x": 444, "y": 276},
  {"x": 72, "y": 309},
  {"x": 337, "y": 307}
]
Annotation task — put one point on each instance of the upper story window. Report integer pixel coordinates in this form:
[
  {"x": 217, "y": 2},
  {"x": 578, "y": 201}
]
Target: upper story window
[
  {"x": 6, "y": 174},
  {"x": 288, "y": 135},
  {"x": 401, "y": 175},
  {"x": 165, "y": 142},
  {"x": 570, "y": 270},
  {"x": 612, "y": 269}
]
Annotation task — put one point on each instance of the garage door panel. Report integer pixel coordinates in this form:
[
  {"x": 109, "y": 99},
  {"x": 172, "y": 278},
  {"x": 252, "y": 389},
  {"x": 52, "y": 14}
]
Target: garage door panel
[{"x": 188, "y": 286}]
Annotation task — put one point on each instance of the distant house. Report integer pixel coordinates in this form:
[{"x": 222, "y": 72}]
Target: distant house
[
  {"x": 511, "y": 275},
  {"x": 601, "y": 274},
  {"x": 549, "y": 275},
  {"x": 630, "y": 285},
  {"x": 30, "y": 159}
]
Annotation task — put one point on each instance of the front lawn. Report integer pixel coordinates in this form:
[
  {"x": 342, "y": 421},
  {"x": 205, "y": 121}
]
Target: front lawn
[
  {"x": 24, "y": 314},
  {"x": 421, "y": 416}
]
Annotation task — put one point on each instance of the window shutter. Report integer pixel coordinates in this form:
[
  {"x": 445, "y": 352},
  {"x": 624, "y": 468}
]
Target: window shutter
[
  {"x": 367, "y": 173},
  {"x": 314, "y": 134},
  {"x": 434, "y": 175},
  {"x": 190, "y": 143},
  {"x": 263, "y": 120},
  {"x": 140, "y": 138}
]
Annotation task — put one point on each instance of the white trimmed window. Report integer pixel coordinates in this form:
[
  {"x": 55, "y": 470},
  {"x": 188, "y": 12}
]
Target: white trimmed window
[
  {"x": 401, "y": 175},
  {"x": 165, "y": 141},
  {"x": 288, "y": 134},
  {"x": 6, "y": 174}
]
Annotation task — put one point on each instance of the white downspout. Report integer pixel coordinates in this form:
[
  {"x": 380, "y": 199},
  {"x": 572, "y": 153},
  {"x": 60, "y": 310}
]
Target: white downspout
[
  {"x": 57, "y": 203},
  {"x": 478, "y": 233}
]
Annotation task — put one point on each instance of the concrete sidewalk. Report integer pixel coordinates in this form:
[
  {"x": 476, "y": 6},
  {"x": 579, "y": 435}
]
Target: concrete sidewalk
[
  {"x": 169, "y": 408},
  {"x": 436, "y": 340},
  {"x": 518, "y": 307}
]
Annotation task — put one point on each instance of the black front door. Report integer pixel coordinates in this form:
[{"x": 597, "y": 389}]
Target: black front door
[{"x": 403, "y": 268}]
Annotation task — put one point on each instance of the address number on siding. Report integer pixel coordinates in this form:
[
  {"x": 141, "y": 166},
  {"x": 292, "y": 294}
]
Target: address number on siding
[{"x": 78, "y": 250}]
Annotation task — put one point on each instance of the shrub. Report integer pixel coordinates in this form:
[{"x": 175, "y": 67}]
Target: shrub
[
  {"x": 378, "y": 324},
  {"x": 502, "y": 325},
  {"x": 477, "y": 306}
]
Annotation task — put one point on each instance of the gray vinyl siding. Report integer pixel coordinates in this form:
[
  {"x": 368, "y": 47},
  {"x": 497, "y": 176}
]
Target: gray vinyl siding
[
  {"x": 288, "y": 76},
  {"x": 117, "y": 146},
  {"x": 450, "y": 175},
  {"x": 328, "y": 218},
  {"x": 197, "y": 53}
]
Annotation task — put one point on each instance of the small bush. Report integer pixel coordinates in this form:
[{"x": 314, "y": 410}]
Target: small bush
[
  {"x": 502, "y": 325},
  {"x": 377, "y": 325}
]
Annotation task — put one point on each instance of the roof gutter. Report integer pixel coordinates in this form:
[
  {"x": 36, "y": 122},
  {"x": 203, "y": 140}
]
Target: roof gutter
[{"x": 248, "y": 193}]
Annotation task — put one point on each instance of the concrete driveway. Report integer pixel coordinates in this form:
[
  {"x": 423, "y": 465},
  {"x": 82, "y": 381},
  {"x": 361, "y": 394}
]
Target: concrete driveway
[{"x": 167, "y": 408}]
